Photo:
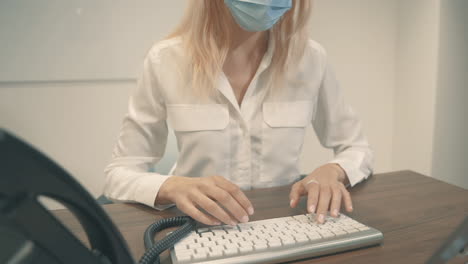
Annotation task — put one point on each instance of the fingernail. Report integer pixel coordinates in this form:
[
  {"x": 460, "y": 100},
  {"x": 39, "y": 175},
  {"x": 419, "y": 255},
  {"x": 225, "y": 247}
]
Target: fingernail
[
  {"x": 245, "y": 219},
  {"x": 216, "y": 223},
  {"x": 321, "y": 218},
  {"x": 292, "y": 203},
  {"x": 335, "y": 212},
  {"x": 233, "y": 223},
  {"x": 312, "y": 209},
  {"x": 250, "y": 211}
]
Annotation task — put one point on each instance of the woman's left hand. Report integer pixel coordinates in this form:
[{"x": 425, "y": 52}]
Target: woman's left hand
[{"x": 325, "y": 190}]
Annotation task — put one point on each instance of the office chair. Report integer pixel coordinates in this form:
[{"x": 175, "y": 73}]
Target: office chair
[{"x": 29, "y": 233}]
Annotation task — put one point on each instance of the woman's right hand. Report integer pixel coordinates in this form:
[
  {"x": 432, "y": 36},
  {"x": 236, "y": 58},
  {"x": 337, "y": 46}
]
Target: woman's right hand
[{"x": 221, "y": 199}]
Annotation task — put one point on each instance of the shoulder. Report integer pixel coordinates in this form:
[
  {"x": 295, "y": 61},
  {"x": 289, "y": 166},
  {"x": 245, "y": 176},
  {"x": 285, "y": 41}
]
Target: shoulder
[
  {"x": 316, "y": 54},
  {"x": 166, "y": 48},
  {"x": 316, "y": 47}
]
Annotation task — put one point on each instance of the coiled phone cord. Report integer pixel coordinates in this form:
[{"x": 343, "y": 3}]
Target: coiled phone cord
[{"x": 153, "y": 250}]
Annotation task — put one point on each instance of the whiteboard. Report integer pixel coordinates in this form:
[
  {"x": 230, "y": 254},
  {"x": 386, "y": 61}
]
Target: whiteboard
[{"x": 47, "y": 40}]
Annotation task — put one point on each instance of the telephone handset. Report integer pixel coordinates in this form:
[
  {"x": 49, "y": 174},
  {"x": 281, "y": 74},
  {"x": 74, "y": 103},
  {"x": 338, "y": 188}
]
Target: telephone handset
[{"x": 29, "y": 233}]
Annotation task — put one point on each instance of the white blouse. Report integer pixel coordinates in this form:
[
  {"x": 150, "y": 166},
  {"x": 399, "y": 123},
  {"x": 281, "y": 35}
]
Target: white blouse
[{"x": 254, "y": 145}]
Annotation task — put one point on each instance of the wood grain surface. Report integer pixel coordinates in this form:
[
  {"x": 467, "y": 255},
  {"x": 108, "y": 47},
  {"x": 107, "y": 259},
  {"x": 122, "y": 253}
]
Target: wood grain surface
[{"x": 416, "y": 214}]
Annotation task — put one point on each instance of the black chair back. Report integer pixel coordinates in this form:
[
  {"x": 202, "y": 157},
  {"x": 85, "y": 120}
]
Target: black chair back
[{"x": 29, "y": 233}]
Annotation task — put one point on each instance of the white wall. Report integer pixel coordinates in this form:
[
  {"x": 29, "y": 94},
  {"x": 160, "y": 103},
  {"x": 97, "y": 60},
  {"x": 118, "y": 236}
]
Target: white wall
[
  {"x": 416, "y": 83},
  {"x": 450, "y": 156},
  {"x": 76, "y": 124},
  {"x": 431, "y": 91},
  {"x": 80, "y": 40},
  {"x": 360, "y": 38}
]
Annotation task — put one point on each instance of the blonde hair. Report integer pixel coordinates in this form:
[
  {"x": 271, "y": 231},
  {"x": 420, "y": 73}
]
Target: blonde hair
[{"x": 206, "y": 37}]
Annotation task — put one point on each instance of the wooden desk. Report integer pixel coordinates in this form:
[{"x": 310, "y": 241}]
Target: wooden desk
[{"x": 415, "y": 213}]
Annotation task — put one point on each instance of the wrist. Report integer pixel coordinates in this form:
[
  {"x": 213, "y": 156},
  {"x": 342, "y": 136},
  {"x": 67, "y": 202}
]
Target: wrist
[
  {"x": 340, "y": 172},
  {"x": 164, "y": 194}
]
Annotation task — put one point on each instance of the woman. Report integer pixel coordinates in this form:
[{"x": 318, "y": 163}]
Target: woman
[{"x": 238, "y": 81}]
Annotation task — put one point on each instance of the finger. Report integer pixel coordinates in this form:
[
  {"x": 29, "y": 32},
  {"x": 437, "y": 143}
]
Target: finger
[
  {"x": 313, "y": 191},
  {"x": 213, "y": 208},
  {"x": 347, "y": 199},
  {"x": 190, "y": 209},
  {"x": 324, "y": 203},
  {"x": 297, "y": 190},
  {"x": 228, "y": 202},
  {"x": 335, "y": 201},
  {"x": 237, "y": 193}
]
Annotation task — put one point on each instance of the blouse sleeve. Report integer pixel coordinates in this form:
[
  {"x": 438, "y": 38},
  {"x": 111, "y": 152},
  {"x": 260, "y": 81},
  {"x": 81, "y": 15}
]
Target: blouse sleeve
[
  {"x": 141, "y": 143},
  {"x": 338, "y": 127}
]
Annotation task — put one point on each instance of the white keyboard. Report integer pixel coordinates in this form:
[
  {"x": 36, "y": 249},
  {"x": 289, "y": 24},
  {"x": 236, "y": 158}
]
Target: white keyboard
[{"x": 273, "y": 240}]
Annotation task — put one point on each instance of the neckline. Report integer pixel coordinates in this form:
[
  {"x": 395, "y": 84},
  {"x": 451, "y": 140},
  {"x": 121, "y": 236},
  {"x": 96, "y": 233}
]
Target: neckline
[{"x": 225, "y": 86}]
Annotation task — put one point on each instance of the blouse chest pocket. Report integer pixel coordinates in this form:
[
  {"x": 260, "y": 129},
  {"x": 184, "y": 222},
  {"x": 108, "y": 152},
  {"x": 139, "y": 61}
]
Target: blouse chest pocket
[
  {"x": 199, "y": 128},
  {"x": 288, "y": 114},
  {"x": 202, "y": 136},
  {"x": 283, "y": 133}
]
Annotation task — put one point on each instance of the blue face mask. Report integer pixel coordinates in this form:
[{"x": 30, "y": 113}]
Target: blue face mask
[{"x": 258, "y": 15}]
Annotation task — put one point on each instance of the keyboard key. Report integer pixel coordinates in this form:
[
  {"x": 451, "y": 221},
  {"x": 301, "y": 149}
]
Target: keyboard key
[
  {"x": 339, "y": 232},
  {"x": 273, "y": 240},
  {"x": 246, "y": 243},
  {"x": 259, "y": 247},
  {"x": 203, "y": 240},
  {"x": 237, "y": 240},
  {"x": 313, "y": 237},
  {"x": 256, "y": 232},
  {"x": 302, "y": 240},
  {"x": 180, "y": 247},
  {"x": 185, "y": 252},
  {"x": 244, "y": 226},
  {"x": 231, "y": 245},
  {"x": 184, "y": 258},
  {"x": 327, "y": 234},
  {"x": 203, "y": 250},
  {"x": 207, "y": 234},
  {"x": 223, "y": 241},
  {"x": 245, "y": 249},
  {"x": 230, "y": 229},
  {"x": 288, "y": 242},
  {"x": 199, "y": 256},
  {"x": 230, "y": 251},
  {"x": 194, "y": 246},
  {"x": 228, "y": 236},
  {"x": 264, "y": 236},
  {"x": 215, "y": 254},
  {"x": 187, "y": 240},
  {"x": 209, "y": 244},
  {"x": 285, "y": 237},
  {"x": 259, "y": 241},
  {"x": 275, "y": 244},
  {"x": 218, "y": 232},
  {"x": 302, "y": 234},
  {"x": 202, "y": 230},
  {"x": 352, "y": 230}
]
